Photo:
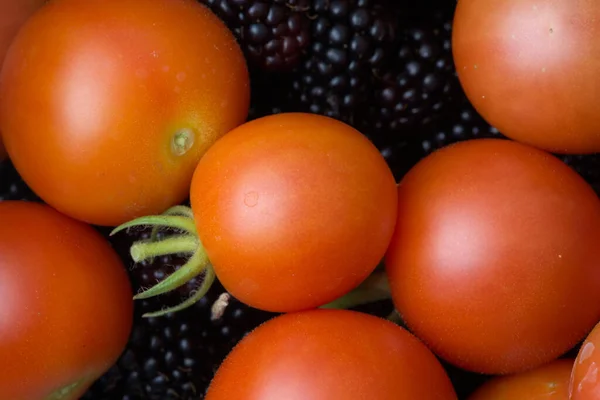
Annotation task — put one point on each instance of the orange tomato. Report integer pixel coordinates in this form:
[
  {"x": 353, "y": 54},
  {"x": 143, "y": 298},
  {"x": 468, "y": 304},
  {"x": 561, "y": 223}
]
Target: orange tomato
[
  {"x": 531, "y": 68},
  {"x": 330, "y": 355},
  {"x": 13, "y": 14},
  {"x": 550, "y": 381},
  {"x": 494, "y": 263},
  {"x": 585, "y": 379},
  {"x": 293, "y": 210},
  {"x": 66, "y": 309},
  {"x": 107, "y": 105}
]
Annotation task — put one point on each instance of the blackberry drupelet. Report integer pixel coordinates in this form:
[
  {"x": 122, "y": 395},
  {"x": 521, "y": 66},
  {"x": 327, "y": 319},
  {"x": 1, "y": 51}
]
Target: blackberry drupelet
[
  {"x": 463, "y": 123},
  {"x": 419, "y": 86},
  {"x": 351, "y": 40},
  {"x": 172, "y": 357},
  {"x": 272, "y": 33}
]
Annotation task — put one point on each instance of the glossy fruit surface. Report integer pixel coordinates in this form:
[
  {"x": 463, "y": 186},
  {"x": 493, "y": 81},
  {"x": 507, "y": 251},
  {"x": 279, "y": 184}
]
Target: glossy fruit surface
[
  {"x": 127, "y": 96},
  {"x": 13, "y": 16},
  {"x": 550, "y": 381},
  {"x": 330, "y": 354},
  {"x": 532, "y": 69},
  {"x": 293, "y": 210},
  {"x": 494, "y": 263},
  {"x": 66, "y": 309},
  {"x": 585, "y": 383}
]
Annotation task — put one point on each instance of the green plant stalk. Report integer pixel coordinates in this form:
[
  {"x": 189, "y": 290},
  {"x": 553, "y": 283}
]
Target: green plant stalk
[
  {"x": 184, "y": 241},
  {"x": 375, "y": 288}
]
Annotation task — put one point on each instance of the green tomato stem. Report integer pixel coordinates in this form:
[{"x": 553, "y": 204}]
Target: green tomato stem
[
  {"x": 180, "y": 219},
  {"x": 179, "y": 244},
  {"x": 180, "y": 223},
  {"x": 196, "y": 264},
  {"x": 176, "y": 210},
  {"x": 375, "y": 288},
  {"x": 66, "y": 392},
  {"x": 395, "y": 318},
  {"x": 209, "y": 278}
]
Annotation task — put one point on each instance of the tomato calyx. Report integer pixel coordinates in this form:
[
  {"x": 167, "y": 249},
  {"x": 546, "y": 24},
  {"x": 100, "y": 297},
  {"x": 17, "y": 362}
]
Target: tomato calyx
[{"x": 185, "y": 241}]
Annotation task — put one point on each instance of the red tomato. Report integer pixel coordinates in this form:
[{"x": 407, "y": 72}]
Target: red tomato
[
  {"x": 532, "y": 69},
  {"x": 585, "y": 382},
  {"x": 66, "y": 309},
  {"x": 127, "y": 95},
  {"x": 494, "y": 263},
  {"x": 550, "y": 381},
  {"x": 14, "y": 14},
  {"x": 330, "y": 354},
  {"x": 294, "y": 210}
]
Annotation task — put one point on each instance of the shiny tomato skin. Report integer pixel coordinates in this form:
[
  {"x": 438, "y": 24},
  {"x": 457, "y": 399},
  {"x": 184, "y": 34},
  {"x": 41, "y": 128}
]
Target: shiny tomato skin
[
  {"x": 111, "y": 83},
  {"x": 66, "y": 310},
  {"x": 330, "y": 354},
  {"x": 494, "y": 263},
  {"x": 294, "y": 210},
  {"x": 532, "y": 69},
  {"x": 585, "y": 382},
  {"x": 550, "y": 381},
  {"x": 13, "y": 16}
]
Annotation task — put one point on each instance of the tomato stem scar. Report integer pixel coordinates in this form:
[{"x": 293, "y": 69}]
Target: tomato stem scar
[{"x": 183, "y": 140}]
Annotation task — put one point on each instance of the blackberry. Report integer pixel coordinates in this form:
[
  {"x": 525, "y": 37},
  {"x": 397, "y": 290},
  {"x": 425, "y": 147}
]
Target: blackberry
[
  {"x": 588, "y": 166},
  {"x": 272, "y": 33},
  {"x": 351, "y": 40},
  {"x": 270, "y": 95},
  {"x": 464, "y": 123},
  {"x": 419, "y": 85},
  {"x": 400, "y": 155},
  {"x": 12, "y": 186},
  {"x": 175, "y": 356}
]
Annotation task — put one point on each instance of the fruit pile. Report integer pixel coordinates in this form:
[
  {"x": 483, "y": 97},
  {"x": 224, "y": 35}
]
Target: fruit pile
[{"x": 299, "y": 199}]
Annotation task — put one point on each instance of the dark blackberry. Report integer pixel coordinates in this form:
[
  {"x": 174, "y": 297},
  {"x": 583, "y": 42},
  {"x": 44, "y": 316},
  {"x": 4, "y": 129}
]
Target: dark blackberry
[
  {"x": 351, "y": 40},
  {"x": 461, "y": 124},
  {"x": 273, "y": 33},
  {"x": 270, "y": 95},
  {"x": 588, "y": 166},
  {"x": 12, "y": 186},
  {"x": 419, "y": 85},
  {"x": 175, "y": 356},
  {"x": 400, "y": 155}
]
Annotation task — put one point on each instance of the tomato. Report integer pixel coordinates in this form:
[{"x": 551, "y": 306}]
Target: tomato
[
  {"x": 494, "y": 263},
  {"x": 66, "y": 309},
  {"x": 330, "y": 354},
  {"x": 293, "y": 210},
  {"x": 585, "y": 384},
  {"x": 14, "y": 14},
  {"x": 127, "y": 96},
  {"x": 532, "y": 69},
  {"x": 550, "y": 381}
]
